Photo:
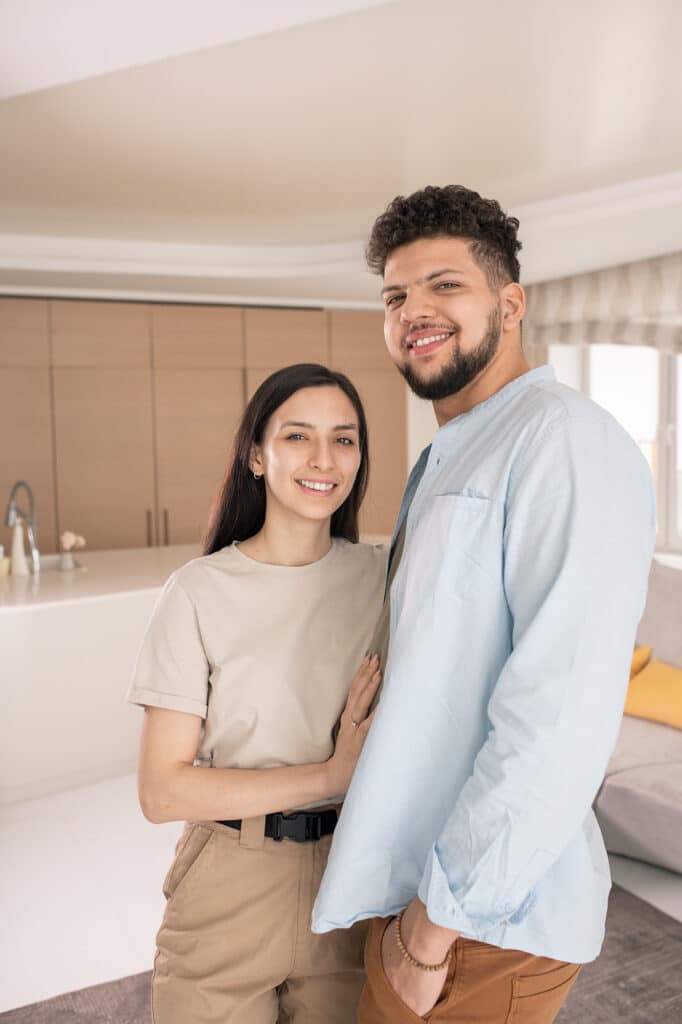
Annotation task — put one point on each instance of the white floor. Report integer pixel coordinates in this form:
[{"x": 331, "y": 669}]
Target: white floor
[{"x": 80, "y": 890}]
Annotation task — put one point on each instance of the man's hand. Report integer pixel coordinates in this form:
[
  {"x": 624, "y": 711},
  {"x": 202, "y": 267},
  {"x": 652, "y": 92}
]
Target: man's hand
[{"x": 425, "y": 941}]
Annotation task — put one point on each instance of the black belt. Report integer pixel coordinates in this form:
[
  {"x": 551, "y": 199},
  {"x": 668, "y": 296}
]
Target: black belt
[{"x": 301, "y": 827}]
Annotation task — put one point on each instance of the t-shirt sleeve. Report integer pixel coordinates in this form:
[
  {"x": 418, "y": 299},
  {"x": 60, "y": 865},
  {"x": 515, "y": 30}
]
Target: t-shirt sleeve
[{"x": 172, "y": 670}]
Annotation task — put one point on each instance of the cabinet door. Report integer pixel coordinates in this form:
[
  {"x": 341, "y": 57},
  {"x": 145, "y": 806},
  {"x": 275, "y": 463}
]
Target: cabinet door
[
  {"x": 105, "y": 479},
  {"x": 384, "y": 397},
  {"x": 24, "y": 332},
  {"x": 197, "y": 337},
  {"x": 356, "y": 341},
  {"x": 26, "y": 447},
  {"x": 100, "y": 333},
  {"x": 280, "y": 337},
  {"x": 197, "y": 412},
  {"x": 358, "y": 350}
]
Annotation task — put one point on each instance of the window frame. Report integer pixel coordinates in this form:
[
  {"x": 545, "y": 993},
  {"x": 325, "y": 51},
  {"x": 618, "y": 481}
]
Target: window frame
[{"x": 669, "y": 517}]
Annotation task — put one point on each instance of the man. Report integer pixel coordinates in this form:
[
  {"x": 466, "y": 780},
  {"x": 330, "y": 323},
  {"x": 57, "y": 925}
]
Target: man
[{"x": 528, "y": 529}]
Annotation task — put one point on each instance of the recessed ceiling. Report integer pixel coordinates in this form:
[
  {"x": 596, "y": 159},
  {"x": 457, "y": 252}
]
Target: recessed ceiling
[{"x": 299, "y": 137}]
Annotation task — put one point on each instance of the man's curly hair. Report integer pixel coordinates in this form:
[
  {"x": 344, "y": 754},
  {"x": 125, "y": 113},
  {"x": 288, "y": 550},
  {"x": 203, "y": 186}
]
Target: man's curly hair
[{"x": 450, "y": 211}]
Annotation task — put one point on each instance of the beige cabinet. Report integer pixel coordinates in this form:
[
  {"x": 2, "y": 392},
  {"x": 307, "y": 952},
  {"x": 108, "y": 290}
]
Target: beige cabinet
[
  {"x": 24, "y": 336},
  {"x": 26, "y": 448},
  {"x": 120, "y": 415},
  {"x": 105, "y": 454},
  {"x": 196, "y": 415},
  {"x": 198, "y": 357},
  {"x": 26, "y": 434},
  {"x": 356, "y": 340},
  {"x": 197, "y": 337},
  {"x": 103, "y": 419},
  {"x": 100, "y": 333},
  {"x": 357, "y": 349},
  {"x": 280, "y": 337}
]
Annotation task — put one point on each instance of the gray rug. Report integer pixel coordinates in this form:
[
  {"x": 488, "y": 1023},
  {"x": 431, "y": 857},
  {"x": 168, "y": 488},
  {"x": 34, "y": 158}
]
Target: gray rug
[{"x": 636, "y": 980}]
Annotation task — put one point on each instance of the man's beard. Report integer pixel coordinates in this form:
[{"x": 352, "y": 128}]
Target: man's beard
[{"x": 462, "y": 368}]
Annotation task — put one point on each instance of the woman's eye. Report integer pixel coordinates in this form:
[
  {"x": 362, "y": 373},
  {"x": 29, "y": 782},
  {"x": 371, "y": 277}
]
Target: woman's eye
[
  {"x": 346, "y": 440},
  {"x": 447, "y": 284},
  {"x": 295, "y": 437}
]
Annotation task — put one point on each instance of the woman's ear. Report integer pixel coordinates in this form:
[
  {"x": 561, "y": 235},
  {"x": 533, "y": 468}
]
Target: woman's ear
[{"x": 255, "y": 462}]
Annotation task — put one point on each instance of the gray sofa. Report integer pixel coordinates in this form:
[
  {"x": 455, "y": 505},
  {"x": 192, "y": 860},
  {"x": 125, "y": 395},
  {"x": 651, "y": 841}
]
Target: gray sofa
[{"x": 639, "y": 806}]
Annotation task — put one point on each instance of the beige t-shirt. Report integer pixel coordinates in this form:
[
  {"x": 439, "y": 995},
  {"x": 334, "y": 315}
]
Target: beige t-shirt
[{"x": 265, "y": 654}]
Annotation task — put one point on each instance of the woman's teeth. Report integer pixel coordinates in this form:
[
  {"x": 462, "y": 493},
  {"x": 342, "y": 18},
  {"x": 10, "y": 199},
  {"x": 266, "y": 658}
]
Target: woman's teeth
[{"x": 315, "y": 486}]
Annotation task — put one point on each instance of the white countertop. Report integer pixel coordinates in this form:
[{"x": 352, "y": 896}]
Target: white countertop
[{"x": 103, "y": 573}]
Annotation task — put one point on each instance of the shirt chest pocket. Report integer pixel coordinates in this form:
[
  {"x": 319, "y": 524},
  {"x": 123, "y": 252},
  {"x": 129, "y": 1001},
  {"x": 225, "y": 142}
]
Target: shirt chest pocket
[{"x": 455, "y": 548}]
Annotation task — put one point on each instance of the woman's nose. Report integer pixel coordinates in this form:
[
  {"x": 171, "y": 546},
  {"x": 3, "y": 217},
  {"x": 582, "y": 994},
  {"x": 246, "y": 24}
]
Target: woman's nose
[{"x": 323, "y": 456}]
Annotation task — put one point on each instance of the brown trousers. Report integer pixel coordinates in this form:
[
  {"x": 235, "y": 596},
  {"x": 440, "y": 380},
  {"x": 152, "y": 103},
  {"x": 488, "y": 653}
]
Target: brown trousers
[
  {"x": 235, "y": 945},
  {"x": 485, "y": 985}
]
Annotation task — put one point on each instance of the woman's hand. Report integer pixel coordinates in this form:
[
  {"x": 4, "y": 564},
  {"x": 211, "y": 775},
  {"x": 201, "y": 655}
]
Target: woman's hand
[{"x": 353, "y": 726}]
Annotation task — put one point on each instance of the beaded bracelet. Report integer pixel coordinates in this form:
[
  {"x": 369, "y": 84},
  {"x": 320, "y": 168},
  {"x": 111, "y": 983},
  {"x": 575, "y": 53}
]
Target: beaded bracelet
[{"x": 413, "y": 960}]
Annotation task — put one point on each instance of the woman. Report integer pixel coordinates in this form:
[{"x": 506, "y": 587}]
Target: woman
[{"x": 243, "y": 673}]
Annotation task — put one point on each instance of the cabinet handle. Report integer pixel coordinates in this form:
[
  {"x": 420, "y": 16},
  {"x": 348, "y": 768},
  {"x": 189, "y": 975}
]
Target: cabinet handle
[
  {"x": 166, "y": 529},
  {"x": 149, "y": 527}
]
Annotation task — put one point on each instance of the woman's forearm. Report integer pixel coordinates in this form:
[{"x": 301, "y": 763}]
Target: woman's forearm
[{"x": 217, "y": 794}]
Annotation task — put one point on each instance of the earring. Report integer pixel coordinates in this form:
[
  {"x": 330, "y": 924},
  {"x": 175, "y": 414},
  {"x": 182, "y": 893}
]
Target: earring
[{"x": 256, "y": 476}]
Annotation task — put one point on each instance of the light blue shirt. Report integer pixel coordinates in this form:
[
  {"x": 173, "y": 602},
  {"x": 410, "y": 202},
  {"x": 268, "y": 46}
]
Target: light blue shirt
[{"x": 530, "y": 532}]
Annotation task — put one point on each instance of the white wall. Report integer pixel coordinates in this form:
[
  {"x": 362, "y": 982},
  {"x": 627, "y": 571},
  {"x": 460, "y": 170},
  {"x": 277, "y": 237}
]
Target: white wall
[{"x": 421, "y": 426}]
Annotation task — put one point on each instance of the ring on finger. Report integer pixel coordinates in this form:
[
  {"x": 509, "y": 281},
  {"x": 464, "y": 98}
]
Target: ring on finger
[{"x": 354, "y": 723}]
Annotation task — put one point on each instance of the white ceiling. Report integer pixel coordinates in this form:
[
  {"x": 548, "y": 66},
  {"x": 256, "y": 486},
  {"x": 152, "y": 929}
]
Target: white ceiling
[
  {"x": 253, "y": 169},
  {"x": 44, "y": 43}
]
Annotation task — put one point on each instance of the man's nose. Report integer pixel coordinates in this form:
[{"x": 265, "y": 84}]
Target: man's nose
[{"x": 417, "y": 305}]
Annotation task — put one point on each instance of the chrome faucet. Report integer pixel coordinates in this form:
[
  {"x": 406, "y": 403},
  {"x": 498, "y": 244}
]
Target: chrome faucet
[{"x": 14, "y": 513}]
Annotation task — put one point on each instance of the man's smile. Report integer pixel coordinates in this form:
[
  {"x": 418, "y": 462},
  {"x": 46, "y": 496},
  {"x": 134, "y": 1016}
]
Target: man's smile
[{"x": 427, "y": 340}]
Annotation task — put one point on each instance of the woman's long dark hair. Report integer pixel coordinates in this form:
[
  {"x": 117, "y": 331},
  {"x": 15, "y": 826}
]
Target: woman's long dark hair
[{"x": 239, "y": 508}]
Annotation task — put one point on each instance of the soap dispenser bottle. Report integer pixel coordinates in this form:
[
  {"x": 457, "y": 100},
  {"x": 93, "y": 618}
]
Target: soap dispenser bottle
[{"x": 19, "y": 563}]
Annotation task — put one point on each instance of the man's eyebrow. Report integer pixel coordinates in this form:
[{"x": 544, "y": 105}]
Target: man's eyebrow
[
  {"x": 439, "y": 273},
  {"x": 429, "y": 277},
  {"x": 311, "y": 426}
]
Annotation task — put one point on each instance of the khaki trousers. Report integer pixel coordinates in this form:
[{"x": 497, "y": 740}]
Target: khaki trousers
[
  {"x": 235, "y": 944},
  {"x": 485, "y": 985}
]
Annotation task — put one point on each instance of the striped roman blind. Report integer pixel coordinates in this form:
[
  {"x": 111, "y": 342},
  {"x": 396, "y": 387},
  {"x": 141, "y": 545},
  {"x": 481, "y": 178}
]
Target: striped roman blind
[{"x": 634, "y": 304}]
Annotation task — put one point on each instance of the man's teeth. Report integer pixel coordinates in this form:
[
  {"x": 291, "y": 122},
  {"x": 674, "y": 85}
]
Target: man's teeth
[
  {"x": 429, "y": 341},
  {"x": 317, "y": 486}
]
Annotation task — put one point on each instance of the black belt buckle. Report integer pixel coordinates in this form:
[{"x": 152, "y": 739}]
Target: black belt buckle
[{"x": 299, "y": 827}]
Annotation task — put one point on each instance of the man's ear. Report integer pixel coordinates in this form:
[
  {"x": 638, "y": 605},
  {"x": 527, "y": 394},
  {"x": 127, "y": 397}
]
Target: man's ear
[{"x": 513, "y": 301}]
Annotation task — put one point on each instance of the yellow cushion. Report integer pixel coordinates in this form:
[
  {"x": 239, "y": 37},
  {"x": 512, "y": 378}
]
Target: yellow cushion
[
  {"x": 639, "y": 660},
  {"x": 656, "y": 693}
]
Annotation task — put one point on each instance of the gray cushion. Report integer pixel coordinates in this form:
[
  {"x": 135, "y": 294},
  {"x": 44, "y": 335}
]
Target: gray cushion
[
  {"x": 639, "y": 807},
  {"x": 661, "y": 625}
]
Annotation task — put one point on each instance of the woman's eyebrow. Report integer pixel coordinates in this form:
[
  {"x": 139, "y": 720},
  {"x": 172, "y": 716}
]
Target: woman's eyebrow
[{"x": 311, "y": 426}]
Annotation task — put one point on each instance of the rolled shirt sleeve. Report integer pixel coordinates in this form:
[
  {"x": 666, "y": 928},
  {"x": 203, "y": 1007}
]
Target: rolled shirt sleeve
[
  {"x": 172, "y": 669},
  {"x": 578, "y": 541}
]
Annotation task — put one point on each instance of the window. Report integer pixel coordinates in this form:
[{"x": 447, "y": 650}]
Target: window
[
  {"x": 625, "y": 382},
  {"x": 677, "y": 439},
  {"x": 642, "y": 388}
]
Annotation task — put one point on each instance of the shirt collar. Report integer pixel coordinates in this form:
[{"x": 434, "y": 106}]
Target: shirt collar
[{"x": 501, "y": 397}]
